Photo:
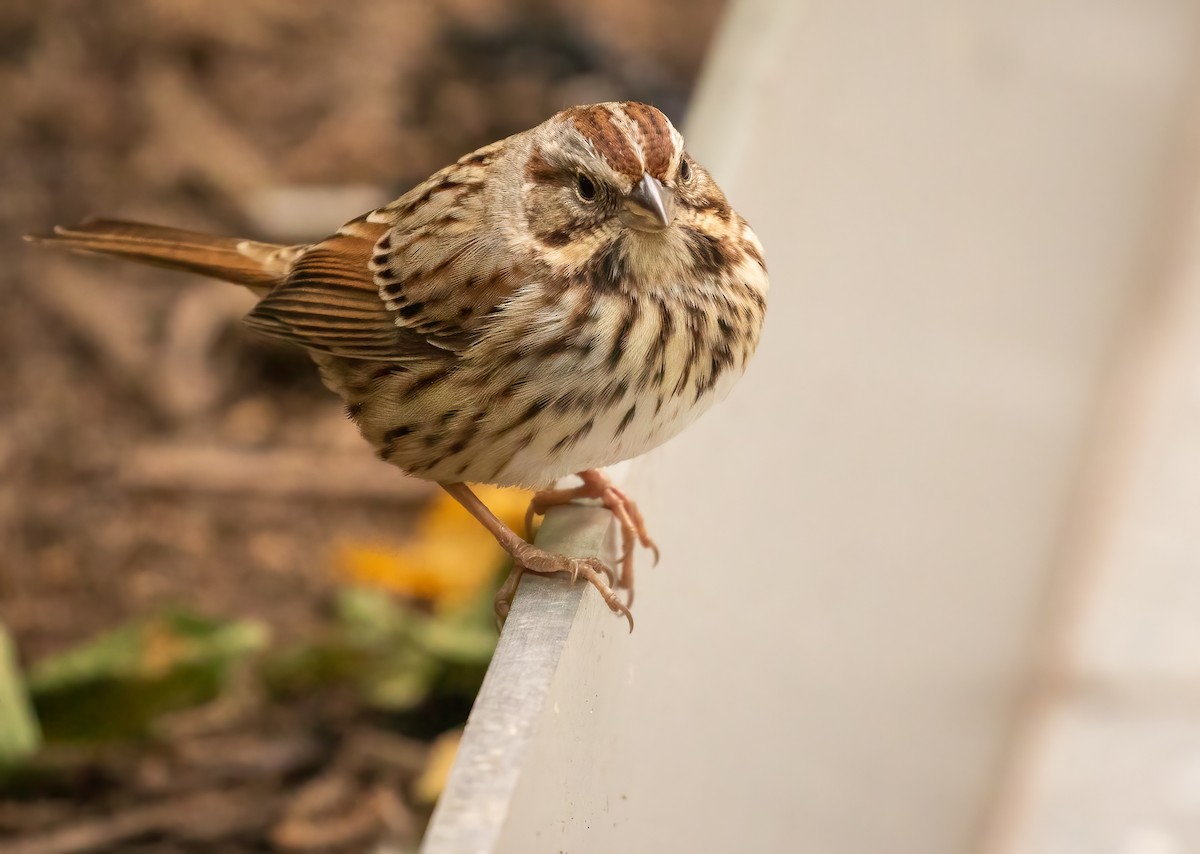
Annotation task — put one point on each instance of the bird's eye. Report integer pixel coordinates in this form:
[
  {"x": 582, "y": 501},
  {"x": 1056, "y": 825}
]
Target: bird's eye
[
  {"x": 685, "y": 170},
  {"x": 585, "y": 188}
]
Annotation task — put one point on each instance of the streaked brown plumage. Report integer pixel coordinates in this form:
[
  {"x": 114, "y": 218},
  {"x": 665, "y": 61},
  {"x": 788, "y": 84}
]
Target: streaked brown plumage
[{"x": 559, "y": 301}]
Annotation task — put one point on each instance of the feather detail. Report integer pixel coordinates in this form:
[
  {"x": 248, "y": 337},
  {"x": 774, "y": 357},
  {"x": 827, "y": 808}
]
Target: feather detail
[
  {"x": 330, "y": 303},
  {"x": 437, "y": 270},
  {"x": 258, "y": 266}
]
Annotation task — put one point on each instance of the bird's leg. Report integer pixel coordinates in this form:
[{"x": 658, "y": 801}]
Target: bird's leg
[
  {"x": 502, "y": 603},
  {"x": 596, "y": 484},
  {"x": 529, "y": 558}
]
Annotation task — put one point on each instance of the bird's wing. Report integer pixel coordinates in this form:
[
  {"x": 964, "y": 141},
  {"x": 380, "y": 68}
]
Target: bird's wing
[
  {"x": 442, "y": 267},
  {"x": 414, "y": 280},
  {"x": 329, "y": 302}
]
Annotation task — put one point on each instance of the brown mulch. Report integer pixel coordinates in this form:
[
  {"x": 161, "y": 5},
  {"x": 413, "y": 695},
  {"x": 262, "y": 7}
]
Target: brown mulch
[{"x": 152, "y": 453}]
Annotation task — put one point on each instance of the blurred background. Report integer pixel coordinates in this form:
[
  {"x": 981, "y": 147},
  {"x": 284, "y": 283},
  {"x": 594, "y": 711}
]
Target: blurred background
[
  {"x": 930, "y": 576},
  {"x": 233, "y": 621}
]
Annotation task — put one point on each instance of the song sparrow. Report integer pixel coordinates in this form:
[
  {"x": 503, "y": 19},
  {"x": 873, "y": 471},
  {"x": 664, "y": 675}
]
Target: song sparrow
[{"x": 552, "y": 303}]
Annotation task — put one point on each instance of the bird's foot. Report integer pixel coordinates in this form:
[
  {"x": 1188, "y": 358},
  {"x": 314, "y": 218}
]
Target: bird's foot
[
  {"x": 597, "y": 485},
  {"x": 529, "y": 558}
]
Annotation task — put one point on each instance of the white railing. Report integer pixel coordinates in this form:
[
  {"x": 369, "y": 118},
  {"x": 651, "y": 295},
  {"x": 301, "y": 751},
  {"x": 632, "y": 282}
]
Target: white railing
[{"x": 535, "y": 673}]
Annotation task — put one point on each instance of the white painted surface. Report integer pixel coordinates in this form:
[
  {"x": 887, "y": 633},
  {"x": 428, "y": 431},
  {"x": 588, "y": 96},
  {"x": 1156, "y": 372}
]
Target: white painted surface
[
  {"x": 1113, "y": 756},
  {"x": 517, "y": 712},
  {"x": 957, "y": 202}
]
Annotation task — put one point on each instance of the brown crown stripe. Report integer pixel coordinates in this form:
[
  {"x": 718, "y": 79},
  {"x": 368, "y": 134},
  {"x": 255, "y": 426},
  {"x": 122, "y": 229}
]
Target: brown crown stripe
[
  {"x": 596, "y": 123},
  {"x": 657, "y": 145}
]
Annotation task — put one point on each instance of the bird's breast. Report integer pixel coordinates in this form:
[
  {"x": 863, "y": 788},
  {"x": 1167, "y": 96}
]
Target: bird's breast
[{"x": 570, "y": 381}]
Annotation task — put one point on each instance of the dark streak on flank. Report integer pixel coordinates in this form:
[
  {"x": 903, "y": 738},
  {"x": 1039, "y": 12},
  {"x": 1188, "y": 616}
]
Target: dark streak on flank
[
  {"x": 570, "y": 439},
  {"x": 560, "y": 444},
  {"x": 626, "y": 420},
  {"x": 696, "y": 328},
  {"x": 658, "y": 351},
  {"x": 552, "y": 347},
  {"x": 750, "y": 249},
  {"x": 469, "y": 430},
  {"x": 534, "y": 409},
  {"x": 510, "y": 390},
  {"x": 632, "y": 310},
  {"x": 759, "y": 299},
  {"x": 381, "y": 373},
  {"x": 722, "y": 361},
  {"x": 427, "y": 380},
  {"x": 396, "y": 433},
  {"x": 722, "y": 358},
  {"x": 615, "y": 393},
  {"x": 531, "y": 412}
]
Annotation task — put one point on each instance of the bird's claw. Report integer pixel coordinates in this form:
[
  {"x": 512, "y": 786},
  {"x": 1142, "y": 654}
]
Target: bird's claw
[
  {"x": 597, "y": 485},
  {"x": 532, "y": 559}
]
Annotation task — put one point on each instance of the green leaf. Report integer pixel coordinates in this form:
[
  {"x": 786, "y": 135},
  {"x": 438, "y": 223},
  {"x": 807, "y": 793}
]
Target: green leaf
[
  {"x": 20, "y": 735},
  {"x": 116, "y": 684}
]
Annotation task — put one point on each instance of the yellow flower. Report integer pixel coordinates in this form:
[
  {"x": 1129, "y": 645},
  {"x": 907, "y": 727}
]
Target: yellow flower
[
  {"x": 449, "y": 557},
  {"x": 428, "y": 787}
]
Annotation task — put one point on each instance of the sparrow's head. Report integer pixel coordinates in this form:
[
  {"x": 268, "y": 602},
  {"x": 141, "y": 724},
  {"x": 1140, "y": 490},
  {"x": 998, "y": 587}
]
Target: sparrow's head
[
  {"x": 609, "y": 191},
  {"x": 611, "y": 165}
]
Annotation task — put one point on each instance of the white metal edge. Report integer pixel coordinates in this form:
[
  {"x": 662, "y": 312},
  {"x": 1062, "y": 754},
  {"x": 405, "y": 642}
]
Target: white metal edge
[{"x": 503, "y": 722}]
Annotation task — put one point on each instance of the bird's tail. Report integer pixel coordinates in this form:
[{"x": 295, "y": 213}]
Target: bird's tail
[{"x": 258, "y": 266}]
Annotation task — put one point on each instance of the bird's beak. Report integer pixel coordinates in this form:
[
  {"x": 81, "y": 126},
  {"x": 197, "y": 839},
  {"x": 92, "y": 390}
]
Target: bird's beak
[{"x": 649, "y": 205}]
